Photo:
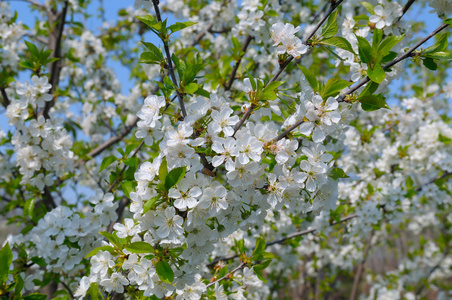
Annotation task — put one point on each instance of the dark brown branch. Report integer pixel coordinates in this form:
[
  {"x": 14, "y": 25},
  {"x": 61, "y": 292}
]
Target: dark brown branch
[
  {"x": 108, "y": 143},
  {"x": 405, "y": 9},
  {"x": 281, "y": 240},
  {"x": 5, "y": 101},
  {"x": 446, "y": 174},
  {"x": 170, "y": 63},
  {"x": 237, "y": 63},
  {"x": 55, "y": 44},
  {"x": 334, "y": 5},
  {"x": 360, "y": 268},
  {"x": 407, "y": 54}
]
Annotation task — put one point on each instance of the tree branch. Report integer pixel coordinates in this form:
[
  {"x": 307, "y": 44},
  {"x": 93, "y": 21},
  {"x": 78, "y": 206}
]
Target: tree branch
[
  {"x": 170, "y": 63},
  {"x": 360, "y": 268},
  {"x": 55, "y": 44},
  {"x": 242, "y": 265},
  {"x": 237, "y": 63},
  {"x": 113, "y": 185},
  {"x": 282, "y": 67},
  {"x": 281, "y": 240},
  {"x": 5, "y": 101},
  {"x": 407, "y": 54}
]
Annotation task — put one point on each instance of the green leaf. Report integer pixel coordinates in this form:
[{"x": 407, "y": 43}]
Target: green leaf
[
  {"x": 444, "y": 139},
  {"x": 365, "y": 50},
  {"x": 164, "y": 271},
  {"x": 33, "y": 50},
  {"x": 334, "y": 86},
  {"x": 149, "y": 57},
  {"x": 179, "y": 26},
  {"x": 310, "y": 78},
  {"x": 260, "y": 246},
  {"x": 19, "y": 286},
  {"x": 337, "y": 173},
  {"x": 35, "y": 296},
  {"x": 29, "y": 207},
  {"x": 441, "y": 55},
  {"x": 106, "y": 162},
  {"x": 94, "y": 291},
  {"x": 174, "y": 176},
  {"x": 448, "y": 21},
  {"x": 149, "y": 204},
  {"x": 140, "y": 247},
  {"x": 260, "y": 267},
  {"x": 376, "y": 38},
  {"x": 6, "y": 258},
  {"x": 163, "y": 170},
  {"x": 111, "y": 238},
  {"x": 388, "y": 43},
  {"x": 370, "y": 88},
  {"x": 373, "y": 102},
  {"x": 191, "y": 88},
  {"x": 338, "y": 42},
  {"x": 252, "y": 81},
  {"x": 377, "y": 74},
  {"x": 102, "y": 248},
  {"x": 369, "y": 7},
  {"x": 148, "y": 20},
  {"x": 330, "y": 29},
  {"x": 440, "y": 44},
  {"x": 128, "y": 186},
  {"x": 430, "y": 64}
]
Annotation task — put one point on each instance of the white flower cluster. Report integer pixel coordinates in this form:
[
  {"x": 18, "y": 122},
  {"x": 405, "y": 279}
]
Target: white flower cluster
[
  {"x": 283, "y": 36},
  {"x": 43, "y": 146},
  {"x": 10, "y": 34},
  {"x": 64, "y": 236},
  {"x": 200, "y": 210}
]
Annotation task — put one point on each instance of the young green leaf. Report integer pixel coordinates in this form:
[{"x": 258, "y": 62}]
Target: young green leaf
[
  {"x": 163, "y": 170},
  {"x": 369, "y": 7},
  {"x": 149, "y": 204},
  {"x": 334, "y": 86},
  {"x": 106, "y": 162},
  {"x": 430, "y": 64},
  {"x": 174, "y": 176},
  {"x": 140, "y": 247},
  {"x": 377, "y": 74},
  {"x": 164, "y": 271},
  {"x": 310, "y": 78},
  {"x": 128, "y": 186},
  {"x": 330, "y": 29},
  {"x": 179, "y": 26},
  {"x": 373, "y": 102},
  {"x": 6, "y": 258},
  {"x": 259, "y": 268},
  {"x": 191, "y": 88},
  {"x": 441, "y": 55},
  {"x": 102, "y": 248},
  {"x": 365, "y": 50},
  {"x": 337, "y": 173},
  {"x": 338, "y": 42}
]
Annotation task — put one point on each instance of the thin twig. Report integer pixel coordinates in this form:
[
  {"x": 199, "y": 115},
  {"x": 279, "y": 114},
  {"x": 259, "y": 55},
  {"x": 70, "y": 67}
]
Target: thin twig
[
  {"x": 283, "y": 66},
  {"x": 407, "y": 54},
  {"x": 113, "y": 185},
  {"x": 170, "y": 63},
  {"x": 446, "y": 174},
  {"x": 281, "y": 240},
  {"x": 405, "y": 9},
  {"x": 237, "y": 63},
  {"x": 55, "y": 43},
  {"x": 334, "y": 5},
  {"x": 5, "y": 101},
  {"x": 360, "y": 268},
  {"x": 242, "y": 265}
]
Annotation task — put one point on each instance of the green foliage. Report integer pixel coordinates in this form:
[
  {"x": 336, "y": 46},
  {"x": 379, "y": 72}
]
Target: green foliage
[
  {"x": 164, "y": 271},
  {"x": 373, "y": 102},
  {"x": 37, "y": 59},
  {"x": 140, "y": 247}
]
